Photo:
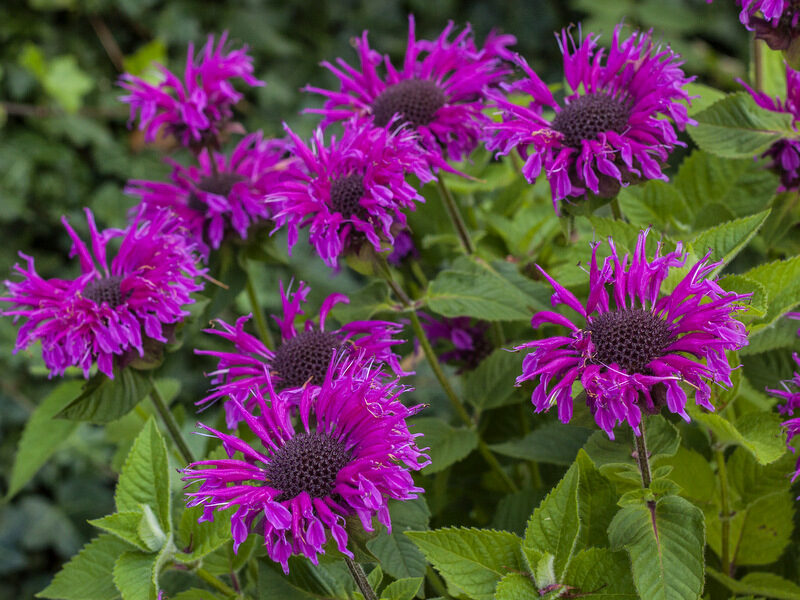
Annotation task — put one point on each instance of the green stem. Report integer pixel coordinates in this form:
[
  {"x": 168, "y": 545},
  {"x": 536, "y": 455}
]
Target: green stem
[
  {"x": 215, "y": 582},
  {"x": 725, "y": 515},
  {"x": 615, "y": 209},
  {"x": 385, "y": 271},
  {"x": 642, "y": 458},
  {"x": 169, "y": 420},
  {"x": 419, "y": 274},
  {"x": 360, "y": 577},
  {"x": 258, "y": 314},
  {"x": 455, "y": 216}
]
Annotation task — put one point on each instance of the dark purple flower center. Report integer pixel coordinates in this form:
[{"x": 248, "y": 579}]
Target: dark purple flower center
[
  {"x": 587, "y": 116},
  {"x": 305, "y": 358},
  {"x": 416, "y": 100},
  {"x": 308, "y": 462},
  {"x": 106, "y": 289},
  {"x": 631, "y": 337},
  {"x": 345, "y": 194},
  {"x": 220, "y": 184}
]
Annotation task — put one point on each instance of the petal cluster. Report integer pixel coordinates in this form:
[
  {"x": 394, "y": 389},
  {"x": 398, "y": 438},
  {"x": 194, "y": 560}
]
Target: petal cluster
[
  {"x": 450, "y": 120},
  {"x": 251, "y": 366},
  {"x": 145, "y": 287},
  {"x": 695, "y": 319},
  {"x": 354, "y": 410},
  {"x": 195, "y": 108},
  {"x": 615, "y": 125},
  {"x": 791, "y": 397}
]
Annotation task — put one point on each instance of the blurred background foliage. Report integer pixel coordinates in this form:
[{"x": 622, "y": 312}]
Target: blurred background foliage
[{"x": 64, "y": 144}]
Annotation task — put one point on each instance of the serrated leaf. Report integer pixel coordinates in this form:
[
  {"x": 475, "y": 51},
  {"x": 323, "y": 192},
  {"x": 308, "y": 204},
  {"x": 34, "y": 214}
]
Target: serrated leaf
[
  {"x": 597, "y": 503},
  {"x": 782, "y": 334},
  {"x": 87, "y": 576},
  {"x": 554, "y": 527},
  {"x": 123, "y": 525},
  {"x": 447, "y": 444},
  {"x": 402, "y": 589},
  {"x": 149, "y": 530},
  {"x": 475, "y": 288},
  {"x": 750, "y": 480},
  {"x": 756, "y": 304},
  {"x": 760, "y": 433},
  {"x": 471, "y": 561},
  {"x": 399, "y": 555},
  {"x": 762, "y": 584},
  {"x": 492, "y": 384},
  {"x": 133, "y": 576},
  {"x": 196, "y": 539},
  {"x": 145, "y": 476},
  {"x": 554, "y": 443},
  {"x": 736, "y": 127},
  {"x": 516, "y": 586},
  {"x": 782, "y": 282},
  {"x": 42, "y": 435},
  {"x": 665, "y": 540},
  {"x": 104, "y": 399},
  {"x": 656, "y": 204},
  {"x": 601, "y": 574},
  {"x": 728, "y": 239},
  {"x": 761, "y": 532}
]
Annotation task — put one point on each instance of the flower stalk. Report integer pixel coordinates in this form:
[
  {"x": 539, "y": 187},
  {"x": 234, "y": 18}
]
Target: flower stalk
[
  {"x": 360, "y": 577},
  {"x": 171, "y": 424},
  {"x": 455, "y": 216}
]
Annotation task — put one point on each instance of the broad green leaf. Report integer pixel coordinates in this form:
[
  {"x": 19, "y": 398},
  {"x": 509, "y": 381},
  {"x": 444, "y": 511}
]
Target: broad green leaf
[
  {"x": 514, "y": 510},
  {"x": 782, "y": 282},
  {"x": 475, "y": 288},
  {"x": 104, "y": 399},
  {"x": 597, "y": 503},
  {"x": 601, "y": 574},
  {"x": 447, "y": 444},
  {"x": 66, "y": 82},
  {"x": 707, "y": 96},
  {"x": 691, "y": 471},
  {"x": 553, "y": 443},
  {"x": 492, "y": 384},
  {"x": 760, "y": 433},
  {"x": 197, "y": 539},
  {"x": 134, "y": 575},
  {"x": 781, "y": 334},
  {"x": 273, "y": 584},
  {"x": 365, "y": 303},
  {"x": 662, "y": 440},
  {"x": 736, "y": 127},
  {"x": 150, "y": 531},
  {"x": 145, "y": 476},
  {"x": 657, "y": 204},
  {"x": 375, "y": 578},
  {"x": 624, "y": 234},
  {"x": 665, "y": 540},
  {"x": 141, "y": 63},
  {"x": 516, "y": 586},
  {"x": 750, "y": 480},
  {"x": 124, "y": 525},
  {"x": 402, "y": 589},
  {"x": 755, "y": 304},
  {"x": 399, "y": 556},
  {"x": 42, "y": 436},
  {"x": 471, "y": 561},
  {"x": 87, "y": 576},
  {"x": 727, "y": 239},
  {"x": 554, "y": 527},
  {"x": 761, "y": 584},
  {"x": 325, "y": 580},
  {"x": 761, "y": 533}
]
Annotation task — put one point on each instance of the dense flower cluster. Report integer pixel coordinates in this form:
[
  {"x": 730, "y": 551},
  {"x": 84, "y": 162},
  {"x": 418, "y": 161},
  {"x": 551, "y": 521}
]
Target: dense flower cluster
[
  {"x": 613, "y": 127},
  {"x": 196, "y": 108},
  {"x": 303, "y": 357},
  {"x": 791, "y": 397},
  {"x": 439, "y": 91},
  {"x": 349, "y": 452},
  {"x": 634, "y": 355},
  {"x": 110, "y": 309},
  {"x": 784, "y": 154}
]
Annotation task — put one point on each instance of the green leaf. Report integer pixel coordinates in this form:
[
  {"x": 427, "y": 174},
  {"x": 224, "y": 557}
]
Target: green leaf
[
  {"x": 124, "y": 525},
  {"x": 516, "y": 586},
  {"x": 492, "y": 384},
  {"x": 662, "y": 440},
  {"x": 42, "y": 436},
  {"x": 365, "y": 303},
  {"x": 514, "y": 510},
  {"x": 145, "y": 476},
  {"x": 726, "y": 240},
  {"x": 134, "y": 576},
  {"x": 656, "y": 204},
  {"x": 597, "y": 503},
  {"x": 402, "y": 589},
  {"x": 87, "y": 576},
  {"x": 66, "y": 82},
  {"x": 708, "y": 96},
  {"x": 326, "y": 580},
  {"x": 781, "y": 279},
  {"x": 761, "y": 533},
  {"x": 554, "y": 527},
  {"x": 471, "y": 561},
  {"x": 202, "y": 538},
  {"x": 736, "y": 127},
  {"x": 399, "y": 556},
  {"x": 762, "y": 584},
  {"x": 141, "y": 63},
  {"x": 198, "y": 594},
  {"x": 493, "y": 292},
  {"x": 665, "y": 540},
  {"x": 375, "y": 577},
  {"x": 750, "y": 480},
  {"x": 601, "y": 574},
  {"x": 273, "y": 584},
  {"x": 782, "y": 334},
  {"x": 691, "y": 471},
  {"x": 760, "y": 433},
  {"x": 554, "y": 443},
  {"x": 448, "y": 444},
  {"x": 104, "y": 399},
  {"x": 150, "y": 531},
  {"x": 756, "y": 304}
]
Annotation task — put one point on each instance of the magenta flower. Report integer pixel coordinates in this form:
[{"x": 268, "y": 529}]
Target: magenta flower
[
  {"x": 198, "y": 107},
  {"x": 791, "y": 396},
  {"x": 439, "y": 91},
  {"x": 467, "y": 338},
  {"x": 613, "y": 126},
  {"x": 107, "y": 312},
  {"x": 635, "y": 355},
  {"x": 403, "y": 248},
  {"x": 351, "y": 192},
  {"x": 301, "y": 360},
  {"x": 219, "y": 194},
  {"x": 348, "y": 453},
  {"x": 784, "y": 155}
]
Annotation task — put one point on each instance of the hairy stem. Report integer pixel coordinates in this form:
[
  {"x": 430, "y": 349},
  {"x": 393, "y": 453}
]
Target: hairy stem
[
  {"x": 360, "y": 577},
  {"x": 455, "y": 216},
  {"x": 725, "y": 514},
  {"x": 642, "y": 458},
  {"x": 215, "y": 582},
  {"x": 169, "y": 421},
  {"x": 258, "y": 314}
]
